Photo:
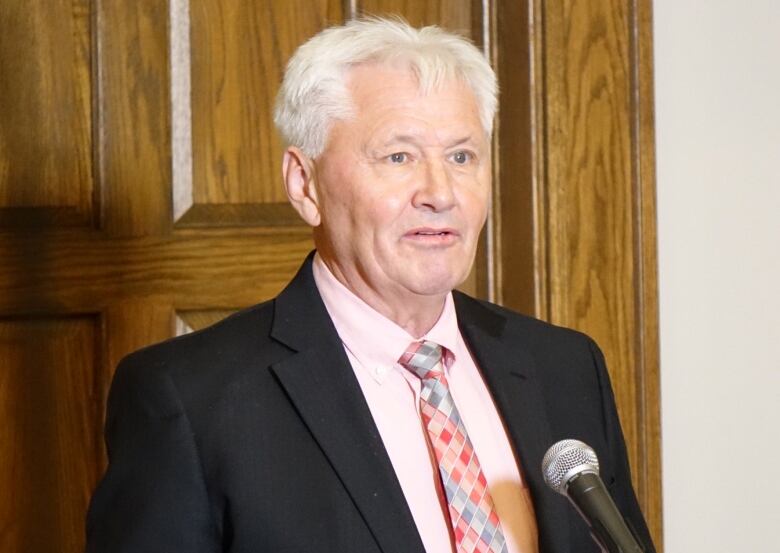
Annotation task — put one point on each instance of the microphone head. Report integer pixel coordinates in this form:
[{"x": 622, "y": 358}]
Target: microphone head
[{"x": 565, "y": 460}]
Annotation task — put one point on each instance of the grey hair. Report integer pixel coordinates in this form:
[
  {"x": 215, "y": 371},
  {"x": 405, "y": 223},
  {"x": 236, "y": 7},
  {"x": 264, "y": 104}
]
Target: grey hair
[{"x": 314, "y": 92}]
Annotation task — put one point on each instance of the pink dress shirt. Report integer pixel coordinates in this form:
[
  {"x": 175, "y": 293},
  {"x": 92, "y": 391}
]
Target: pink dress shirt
[{"x": 373, "y": 345}]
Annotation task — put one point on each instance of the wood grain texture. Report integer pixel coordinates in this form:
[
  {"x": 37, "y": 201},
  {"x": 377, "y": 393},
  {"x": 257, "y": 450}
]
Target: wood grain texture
[
  {"x": 647, "y": 296},
  {"x": 239, "y": 215},
  {"x": 454, "y": 15},
  {"x": 73, "y": 272},
  {"x": 51, "y": 391},
  {"x": 600, "y": 240},
  {"x": 239, "y": 51},
  {"x": 517, "y": 263},
  {"x": 591, "y": 242},
  {"x": 45, "y": 114},
  {"x": 133, "y": 132},
  {"x": 130, "y": 324}
]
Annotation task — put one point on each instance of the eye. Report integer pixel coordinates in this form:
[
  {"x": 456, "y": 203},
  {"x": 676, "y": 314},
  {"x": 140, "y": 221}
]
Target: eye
[
  {"x": 462, "y": 157},
  {"x": 398, "y": 157}
]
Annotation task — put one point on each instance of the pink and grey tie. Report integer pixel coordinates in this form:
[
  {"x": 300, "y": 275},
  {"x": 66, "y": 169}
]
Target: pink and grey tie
[{"x": 474, "y": 519}]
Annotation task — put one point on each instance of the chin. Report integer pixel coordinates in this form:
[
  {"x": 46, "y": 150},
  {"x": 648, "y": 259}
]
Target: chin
[{"x": 434, "y": 284}]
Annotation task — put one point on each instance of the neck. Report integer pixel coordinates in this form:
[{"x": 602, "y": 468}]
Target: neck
[{"x": 416, "y": 321}]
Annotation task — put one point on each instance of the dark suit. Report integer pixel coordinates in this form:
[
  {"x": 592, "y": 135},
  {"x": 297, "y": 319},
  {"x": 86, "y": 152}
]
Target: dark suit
[{"x": 253, "y": 435}]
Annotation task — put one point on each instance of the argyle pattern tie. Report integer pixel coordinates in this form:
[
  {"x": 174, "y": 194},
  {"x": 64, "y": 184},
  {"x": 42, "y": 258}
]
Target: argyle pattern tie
[{"x": 474, "y": 519}]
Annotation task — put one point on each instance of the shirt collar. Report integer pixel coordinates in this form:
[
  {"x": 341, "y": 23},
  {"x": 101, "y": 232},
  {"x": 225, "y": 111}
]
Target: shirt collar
[{"x": 374, "y": 340}]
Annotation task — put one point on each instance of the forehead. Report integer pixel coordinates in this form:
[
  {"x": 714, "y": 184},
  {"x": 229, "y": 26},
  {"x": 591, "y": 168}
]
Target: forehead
[{"x": 388, "y": 95}]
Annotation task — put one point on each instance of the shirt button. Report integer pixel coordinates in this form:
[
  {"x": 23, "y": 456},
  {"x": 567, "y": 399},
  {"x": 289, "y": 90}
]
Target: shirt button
[{"x": 380, "y": 371}]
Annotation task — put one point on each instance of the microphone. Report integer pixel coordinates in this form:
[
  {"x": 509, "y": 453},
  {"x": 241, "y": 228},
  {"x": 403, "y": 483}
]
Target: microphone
[{"x": 571, "y": 468}]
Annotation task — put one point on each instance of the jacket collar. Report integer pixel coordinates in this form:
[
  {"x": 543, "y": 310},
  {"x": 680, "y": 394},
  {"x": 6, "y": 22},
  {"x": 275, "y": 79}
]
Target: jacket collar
[{"x": 320, "y": 382}]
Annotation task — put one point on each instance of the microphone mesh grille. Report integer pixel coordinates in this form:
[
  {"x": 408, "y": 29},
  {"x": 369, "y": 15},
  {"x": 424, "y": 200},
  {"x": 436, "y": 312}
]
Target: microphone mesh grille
[{"x": 566, "y": 458}]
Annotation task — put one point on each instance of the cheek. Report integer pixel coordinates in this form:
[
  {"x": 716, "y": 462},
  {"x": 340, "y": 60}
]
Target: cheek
[
  {"x": 475, "y": 203},
  {"x": 382, "y": 208},
  {"x": 484, "y": 194}
]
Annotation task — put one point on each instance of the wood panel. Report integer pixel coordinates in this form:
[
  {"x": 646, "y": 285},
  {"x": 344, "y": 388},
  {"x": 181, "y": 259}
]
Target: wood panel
[
  {"x": 463, "y": 16},
  {"x": 45, "y": 114},
  {"x": 133, "y": 127},
  {"x": 71, "y": 272},
  {"x": 648, "y": 369},
  {"x": 598, "y": 207},
  {"x": 51, "y": 404},
  {"x": 517, "y": 253},
  {"x": 239, "y": 51},
  {"x": 590, "y": 188}
]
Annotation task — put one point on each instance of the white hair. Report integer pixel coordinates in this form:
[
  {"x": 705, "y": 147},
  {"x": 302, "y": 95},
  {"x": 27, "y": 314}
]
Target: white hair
[{"x": 314, "y": 91}]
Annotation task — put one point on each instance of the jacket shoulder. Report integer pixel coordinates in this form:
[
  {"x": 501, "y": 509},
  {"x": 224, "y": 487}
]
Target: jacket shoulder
[
  {"x": 234, "y": 333},
  {"x": 532, "y": 331},
  {"x": 199, "y": 363}
]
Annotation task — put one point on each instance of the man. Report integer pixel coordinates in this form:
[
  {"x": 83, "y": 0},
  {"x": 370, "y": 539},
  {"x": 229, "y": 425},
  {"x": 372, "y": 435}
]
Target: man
[{"x": 368, "y": 407}]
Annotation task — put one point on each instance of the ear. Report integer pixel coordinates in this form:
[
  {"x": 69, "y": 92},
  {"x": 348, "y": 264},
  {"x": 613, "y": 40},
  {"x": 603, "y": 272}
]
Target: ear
[{"x": 298, "y": 174}]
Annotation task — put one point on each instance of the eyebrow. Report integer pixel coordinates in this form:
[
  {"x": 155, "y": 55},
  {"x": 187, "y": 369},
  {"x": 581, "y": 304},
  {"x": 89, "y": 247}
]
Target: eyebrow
[{"x": 414, "y": 139}]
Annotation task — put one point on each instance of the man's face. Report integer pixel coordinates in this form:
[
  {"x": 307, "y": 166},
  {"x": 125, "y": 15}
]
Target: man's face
[{"x": 403, "y": 187}]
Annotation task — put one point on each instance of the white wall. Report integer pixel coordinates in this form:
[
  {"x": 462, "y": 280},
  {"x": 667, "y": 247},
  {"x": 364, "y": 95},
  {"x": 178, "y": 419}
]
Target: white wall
[{"x": 717, "y": 79}]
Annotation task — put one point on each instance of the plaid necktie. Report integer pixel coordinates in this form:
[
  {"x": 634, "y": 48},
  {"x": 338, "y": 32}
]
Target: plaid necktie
[{"x": 474, "y": 519}]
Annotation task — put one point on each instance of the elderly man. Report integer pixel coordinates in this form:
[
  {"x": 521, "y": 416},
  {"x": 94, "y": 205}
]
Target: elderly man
[{"x": 368, "y": 408}]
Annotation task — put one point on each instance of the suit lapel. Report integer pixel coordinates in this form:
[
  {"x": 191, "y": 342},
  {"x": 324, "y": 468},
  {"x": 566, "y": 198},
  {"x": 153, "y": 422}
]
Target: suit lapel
[
  {"x": 321, "y": 384},
  {"x": 511, "y": 375}
]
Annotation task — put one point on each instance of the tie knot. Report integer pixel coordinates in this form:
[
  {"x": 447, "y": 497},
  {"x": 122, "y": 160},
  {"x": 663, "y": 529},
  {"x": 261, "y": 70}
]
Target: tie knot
[{"x": 423, "y": 359}]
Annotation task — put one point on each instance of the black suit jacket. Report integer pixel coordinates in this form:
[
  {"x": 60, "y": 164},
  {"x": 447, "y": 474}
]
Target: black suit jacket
[{"x": 253, "y": 435}]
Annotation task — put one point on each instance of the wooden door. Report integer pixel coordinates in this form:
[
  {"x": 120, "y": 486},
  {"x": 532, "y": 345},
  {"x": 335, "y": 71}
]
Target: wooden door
[{"x": 140, "y": 198}]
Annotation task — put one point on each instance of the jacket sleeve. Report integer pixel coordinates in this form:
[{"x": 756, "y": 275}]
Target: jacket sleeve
[
  {"x": 619, "y": 481},
  {"x": 153, "y": 496}
]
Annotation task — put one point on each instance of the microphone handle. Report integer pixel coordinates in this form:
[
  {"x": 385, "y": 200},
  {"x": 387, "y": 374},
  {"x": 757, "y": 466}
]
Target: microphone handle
[{"x": 591, "y": 498}]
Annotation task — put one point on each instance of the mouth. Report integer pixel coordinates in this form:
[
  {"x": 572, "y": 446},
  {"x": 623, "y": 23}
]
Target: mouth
[
  {"x": 431, "y": 232},
  {"x": 433, "y": 235}
]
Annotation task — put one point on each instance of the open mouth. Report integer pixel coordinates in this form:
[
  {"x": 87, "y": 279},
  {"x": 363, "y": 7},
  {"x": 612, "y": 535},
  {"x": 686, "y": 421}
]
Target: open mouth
[{"x": 440, "y": 236}]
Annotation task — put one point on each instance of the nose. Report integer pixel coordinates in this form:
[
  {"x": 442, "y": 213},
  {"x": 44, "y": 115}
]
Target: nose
[{"x": 436, "y": 190}]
